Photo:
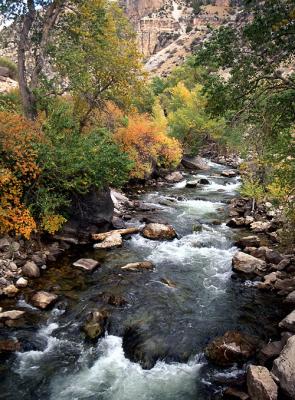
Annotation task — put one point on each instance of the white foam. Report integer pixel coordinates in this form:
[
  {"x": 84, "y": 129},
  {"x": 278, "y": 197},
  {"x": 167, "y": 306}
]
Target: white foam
[
  {"x": 112, "y": 376},
  {"x": 228, "y": 188}
]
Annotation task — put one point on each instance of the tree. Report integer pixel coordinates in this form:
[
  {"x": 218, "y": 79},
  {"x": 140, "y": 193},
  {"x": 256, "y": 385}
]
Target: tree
[{"x": 35, "y": 20}]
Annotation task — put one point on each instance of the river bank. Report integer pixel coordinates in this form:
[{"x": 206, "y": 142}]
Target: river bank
[{"x": 166, "y": 316}]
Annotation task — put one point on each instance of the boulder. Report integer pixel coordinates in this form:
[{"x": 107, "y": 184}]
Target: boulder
[
  {"x": 43, "y": 299},
  {"x": 233, "y": 347},
  {"x": 260, "y": 226},
  {"x": 95, "y": 325},
  {"x": 192, "y": 184},
  {"x": 273, "y": 257},
  {"x": 114, "y": 300},
  {"x": 122, "y": 232},
  {"x": 229, "y": 174},
  {"x": 284, "y": 368},
  {"x": 21, "y": 282},
  {"x": 10, "y": 291},
  {"x": 4, "y": 244},
  {"x": 288, "y": 323},
  {"x": 159, "y": 232},
  {"x": 248, "y": 264},
  {"x": 236, "y": 222},
  {"x": 9, "y": 346},
  {"x": 248, "y": 241},
  {"x": 204, "y": 181},
  {"x": 260, "y": 383},
  {"x": 270, "y": 351},
  {"x": 195, "y": 163},
  {"x": 111, "y": 241},
  {"x": 139, "y": 266},
  {"x": 11, "y": 315},
  {"x": 269, "y": 280},
  {"x": 86, "y": 264},
  {"x": 285, "y": 286},
  {"x": 31, "y": 270},
  {"x": 174, "y": 177},
  {"x": 290, "y": 299}
]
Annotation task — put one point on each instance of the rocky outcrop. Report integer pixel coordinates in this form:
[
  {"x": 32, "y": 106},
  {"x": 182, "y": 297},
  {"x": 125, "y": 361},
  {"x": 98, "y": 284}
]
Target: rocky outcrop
[
  {"x": 156, "y": 231},
  {"x": 233, "y": 347},
  {"x": 284, "y": 368},
  {"x": 260, "y": 383}
]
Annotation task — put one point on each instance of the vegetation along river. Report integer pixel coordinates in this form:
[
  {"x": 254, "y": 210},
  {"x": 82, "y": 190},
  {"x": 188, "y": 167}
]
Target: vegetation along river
[{"x": 176, "y": 323}]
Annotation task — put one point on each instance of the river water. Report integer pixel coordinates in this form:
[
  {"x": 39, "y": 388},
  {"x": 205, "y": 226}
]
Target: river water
[{"x": 56, "y": 362}]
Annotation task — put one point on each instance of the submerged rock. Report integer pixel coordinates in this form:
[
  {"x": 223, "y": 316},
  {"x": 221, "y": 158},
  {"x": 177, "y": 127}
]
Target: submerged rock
[
  {"x": 43, "y": 299},
  {"x": 95, "y": 325},
  {"x": 9, "y": 346},
  {"x": 248, "y": 264},
  {"x": 139, "y": 266},
  {"x": 233, "y": 347},
  {"x": 86, "y": 264},
  {"x": 232, "y": 393},
  {"x": 159, "y": 232},
  {"x": 284, "y": 368},
  {"x": 260, "y": 383},
  {"x": 169, "y": 283}
]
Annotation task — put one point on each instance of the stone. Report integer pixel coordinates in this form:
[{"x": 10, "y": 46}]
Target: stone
[
  {"x": 9, "y": 346},
  {"x": 290, "y": 299},
  {"x": 260, "y": 383},
  {"x": 269, "y": 281},
  {"x": 12, "y": 266},
  {"x": 168, "y": 283},
  {"x": 21, "y": 282},
  {"x": 95, "y": 325},
  {"x": 86, "y": 264},
  {"x": 43, "y": 299},
  {"x": 248, "y": 264},
  {"x": 284, "y": 263},
  {"x": 139, "y": 266},
  {"x": 195, "y": 163},
  {"x": 38, "y": 260},
  {"x": 233, "y": 347},
  {"x": 115, "y": 300},
  {"x": 232, "y": 393},
  {"x": 11, "y": 315},
  {"x": 192, "y": 184},
  {"x": 284, "y": 368},
  {"x": 157, "y": 231},
  {"x": 4, "y": 244},
  {"x": 248, "y": 241},
  {"x": 229, "y": 174},
  {"x": 248, "y": 220},
  {"x": 288, "y": 322},
  {"x": 5, "y": 72},
  {"x": 270, "y": 351},
  {"x": 10, "y": 291},
  {"x": 236, "y": 222},
  {"x": 260, "y": 226},
  {"x": 111, "y": 241},
  {"x": 285, "y": 285},
  {"x": 174, "y": 177},
  {"x": 273, "y": 257},
  {"x": 31, "y": 270},
  {"x": 204, "y": 181}
]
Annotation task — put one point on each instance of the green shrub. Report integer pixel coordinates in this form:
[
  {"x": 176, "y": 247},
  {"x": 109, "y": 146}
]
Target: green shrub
[
  {"x": 6, "y": 62},
  {"x": 10, "y": 101}
]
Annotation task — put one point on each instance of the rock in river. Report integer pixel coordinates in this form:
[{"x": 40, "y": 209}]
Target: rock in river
[
  {"x": 249, "y": 241},
  {"x": 159, "y": 232},
  {"x": 261, "y": 385},
  {"x": 31, "y": 270},
  {"x": 139, "y": 266},
  {"x": 43, "y": 299},
  {"x": 284, "y": 368},
  {"x": 86, "y": 264},
  {"x": 9, "y": 346},
  {"x": 95, "y": 325},
  {"x": 195, "y": 163},
  {"x": 233, "y": 347},
  {"x": 174, "y": 177},
  {"x": 247, "y": 264},
  {"x": 288, "y": 322}
]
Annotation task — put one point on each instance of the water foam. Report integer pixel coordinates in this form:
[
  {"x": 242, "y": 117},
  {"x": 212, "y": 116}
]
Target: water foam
[{"x": 112, "y": 376}]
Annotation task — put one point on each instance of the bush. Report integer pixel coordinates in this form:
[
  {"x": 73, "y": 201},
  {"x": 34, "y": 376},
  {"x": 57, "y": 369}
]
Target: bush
[
  {"x": 10, "y": 101},
  {"x": 7, "y": 63},
  {"x": 147, "y": 145}
]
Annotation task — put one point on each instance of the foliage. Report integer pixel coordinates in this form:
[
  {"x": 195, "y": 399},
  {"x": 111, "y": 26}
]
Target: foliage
[
  {"x": 148, "y": 146},
  {"x": 6, "y": 62},
  {"x": 10, "y": 101}
]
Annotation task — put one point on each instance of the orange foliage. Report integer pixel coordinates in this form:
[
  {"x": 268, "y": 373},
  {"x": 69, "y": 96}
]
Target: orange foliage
[
  {"x": 147, "y": 145},
  {"x": 18, "y": 170}
]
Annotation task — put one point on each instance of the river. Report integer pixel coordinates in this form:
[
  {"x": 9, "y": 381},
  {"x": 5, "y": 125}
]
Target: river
[{"x": 56, "y": 362}]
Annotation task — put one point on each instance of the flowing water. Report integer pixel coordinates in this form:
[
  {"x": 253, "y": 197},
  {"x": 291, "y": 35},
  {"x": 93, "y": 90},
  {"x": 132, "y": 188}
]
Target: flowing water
[{"x": 57, "y": 363}]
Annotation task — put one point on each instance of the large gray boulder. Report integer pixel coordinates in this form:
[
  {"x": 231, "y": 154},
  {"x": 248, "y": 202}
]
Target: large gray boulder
[
  {"x": 195, "y": 163},
  {"x": 284, "y": 368},
  {"x": 260, "y": 383}
]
